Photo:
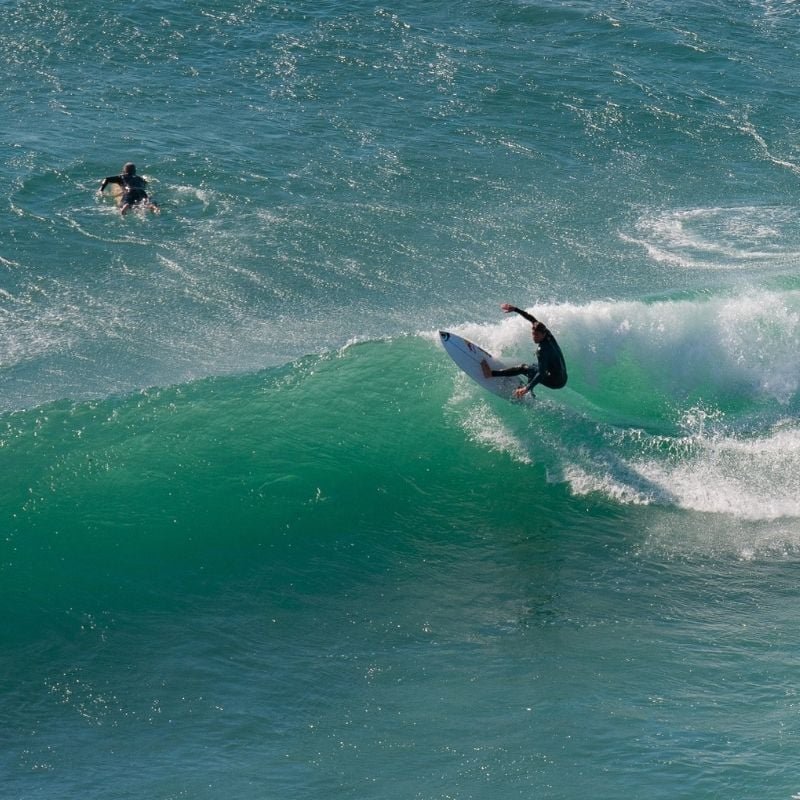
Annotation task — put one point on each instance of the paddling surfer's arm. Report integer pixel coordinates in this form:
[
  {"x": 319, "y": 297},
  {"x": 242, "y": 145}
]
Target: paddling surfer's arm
[{"x": 110, "y": 179}]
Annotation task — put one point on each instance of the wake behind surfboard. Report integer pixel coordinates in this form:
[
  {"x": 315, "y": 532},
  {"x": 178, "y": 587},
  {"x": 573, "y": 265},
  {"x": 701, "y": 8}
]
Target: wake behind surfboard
[{"x": 468, "y": 356}]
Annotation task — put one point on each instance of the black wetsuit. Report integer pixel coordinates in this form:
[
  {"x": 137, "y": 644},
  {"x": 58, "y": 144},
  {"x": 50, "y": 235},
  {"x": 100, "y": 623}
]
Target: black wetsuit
[
  {"x": 550, "y": 369},
  {"x": 133, "y": 188}
]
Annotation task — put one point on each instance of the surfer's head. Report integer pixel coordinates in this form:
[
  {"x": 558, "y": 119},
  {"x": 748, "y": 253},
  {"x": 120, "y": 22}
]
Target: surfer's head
[
  {"x": 539, "y": 331},
  {"x": 129, "y": 168}
]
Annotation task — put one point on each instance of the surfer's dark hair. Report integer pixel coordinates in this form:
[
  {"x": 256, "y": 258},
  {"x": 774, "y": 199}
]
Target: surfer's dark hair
[{"x": 129, "y": 168}]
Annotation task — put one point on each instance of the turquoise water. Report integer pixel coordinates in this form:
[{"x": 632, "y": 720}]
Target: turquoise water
[{"x": 260, "y": 539}]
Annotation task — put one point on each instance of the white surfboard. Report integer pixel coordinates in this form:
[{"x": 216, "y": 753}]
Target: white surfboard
[{"x": 468, "y": 357}]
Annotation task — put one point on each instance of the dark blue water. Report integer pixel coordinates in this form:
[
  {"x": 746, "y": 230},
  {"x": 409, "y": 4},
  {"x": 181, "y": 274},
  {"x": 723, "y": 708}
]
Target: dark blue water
[{"x": 260, "y": 538}]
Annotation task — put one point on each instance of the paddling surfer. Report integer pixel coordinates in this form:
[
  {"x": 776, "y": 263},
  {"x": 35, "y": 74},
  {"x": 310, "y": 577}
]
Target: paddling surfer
[
  {"x": 133, "y": 187},
  {"x": 550, "y": 369}
]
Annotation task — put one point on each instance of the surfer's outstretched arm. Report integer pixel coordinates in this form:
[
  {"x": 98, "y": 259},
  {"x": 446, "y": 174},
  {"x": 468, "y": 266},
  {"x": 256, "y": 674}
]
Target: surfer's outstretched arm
[
  {"x": 110, "y": 179},
  {"x": 508, "y": 308}
]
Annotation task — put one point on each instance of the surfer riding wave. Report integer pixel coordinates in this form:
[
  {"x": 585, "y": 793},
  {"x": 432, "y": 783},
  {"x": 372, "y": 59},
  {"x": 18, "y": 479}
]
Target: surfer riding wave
[{"x": 550, "y": 369}]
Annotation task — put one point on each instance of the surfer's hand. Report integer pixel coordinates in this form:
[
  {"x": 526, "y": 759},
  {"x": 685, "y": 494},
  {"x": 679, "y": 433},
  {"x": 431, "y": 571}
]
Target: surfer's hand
[
  {"x": 507, "y": 307},
  {"x": 520, "y": 393}
]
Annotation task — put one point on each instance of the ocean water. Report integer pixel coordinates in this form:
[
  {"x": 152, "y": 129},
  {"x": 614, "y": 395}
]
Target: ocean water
[{"x": 261, "y": 539}]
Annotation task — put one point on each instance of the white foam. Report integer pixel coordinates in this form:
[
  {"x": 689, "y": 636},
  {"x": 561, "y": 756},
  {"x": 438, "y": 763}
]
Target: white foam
[
  {"x": 486, "y": 428},
  {"x": 749, "y": 478},
  {"x": 725, "y": 441},
  {"x": 482, "y": 424},
  {"x": 719, "y": 238},
  {"x": 752, "y": 479},
  {"x": 745, "y": 345}
]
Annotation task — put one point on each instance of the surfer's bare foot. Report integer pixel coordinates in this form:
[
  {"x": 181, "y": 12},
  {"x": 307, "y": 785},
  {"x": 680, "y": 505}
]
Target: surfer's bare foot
[{"x": 486, "y": 369}]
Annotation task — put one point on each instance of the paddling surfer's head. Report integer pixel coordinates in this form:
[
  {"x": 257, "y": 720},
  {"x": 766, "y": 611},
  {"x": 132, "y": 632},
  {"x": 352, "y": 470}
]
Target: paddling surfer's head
[{"x": 129, "y": 168}]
